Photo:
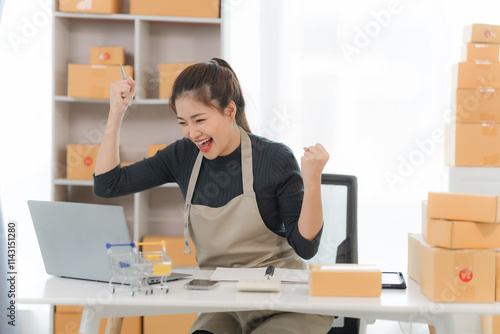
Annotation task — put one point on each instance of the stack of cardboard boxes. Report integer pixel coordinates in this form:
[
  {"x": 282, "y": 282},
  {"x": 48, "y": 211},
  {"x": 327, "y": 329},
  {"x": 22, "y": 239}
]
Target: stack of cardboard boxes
[
  {"x": 93, "y": 81},
  {"x": 473, "y": 138},
  {"x": 454, "y": 258}
]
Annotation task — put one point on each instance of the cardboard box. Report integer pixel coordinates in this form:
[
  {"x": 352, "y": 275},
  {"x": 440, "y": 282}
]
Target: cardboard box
[
  {"x": 454, "y": 234},
  {"x": 152, "y": 149},
  {"x": 107, "y": 55},
  {"x": 93, "y": 81},
  {"x": 91, "y": 6},
  {"x": 168, "y": 73},
  {"x": 168, "y": 324},
  {"x": 174, "y": 249},
  {"x": 457, "y": 275},
  {"x": 69, "y": 323},
  {"x": 476, "y": 74},
  {"x": 187, "y": 8},
  {"x": 482, "y": 33},
  {"x": 466, "y": 207},
  {"x": 480, "y": 105},
  {"x": 481, "y": 52},
  {"x": 472, "y": 145},
  {"x": 490, "y": 324},
  {"x": 344, "y": 280},
  {"x": 69, "y": 308},
  {"x": 414, "y": 242},
  {"x": 497, "y": 270},
  {"x": 80, "y": 161}
]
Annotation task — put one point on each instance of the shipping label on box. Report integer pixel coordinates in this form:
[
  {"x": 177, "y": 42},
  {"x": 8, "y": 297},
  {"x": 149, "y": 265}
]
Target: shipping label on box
[
  {"x": 91, "y": 6},
  {"x": 186, "y": 8},
  {"x": 454, "y": 234},
  {"x": 466, "y": 207},
  {"x": 479, "y": 105},
  {"x": 479, "y": 52},
  {"x": 93, "y": 81},
  {"x": 168, "y": 73},
  {"x": 455, "y": 276},
  {"x": 344, "y": 280},
  {"x": 482, "y": 33},
  {"x": 80, "y": 161},
  {"x": 476, "y": 74},
  {"x": 107, "y": 55},
  {"x": 472, "y": 145}
]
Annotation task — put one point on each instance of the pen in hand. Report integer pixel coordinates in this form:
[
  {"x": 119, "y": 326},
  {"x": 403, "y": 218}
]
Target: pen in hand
[
  {"x": 124, "y": 77},
  {"x": 269, "y": 272}
]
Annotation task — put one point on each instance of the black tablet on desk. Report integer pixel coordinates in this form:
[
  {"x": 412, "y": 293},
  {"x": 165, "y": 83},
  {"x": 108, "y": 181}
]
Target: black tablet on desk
[{"x": 393, "y": 280}]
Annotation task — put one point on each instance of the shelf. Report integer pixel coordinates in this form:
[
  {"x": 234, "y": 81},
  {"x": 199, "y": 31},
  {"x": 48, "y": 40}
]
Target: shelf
[
  {"x": 130, "y": 17},
  {"x": 62, "y": 98},
  {"x": 147, "y": 40},
  {"x": 90, "y": 183}
]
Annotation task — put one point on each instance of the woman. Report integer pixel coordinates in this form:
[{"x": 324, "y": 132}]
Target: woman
[{"x": 246, "y": 204}]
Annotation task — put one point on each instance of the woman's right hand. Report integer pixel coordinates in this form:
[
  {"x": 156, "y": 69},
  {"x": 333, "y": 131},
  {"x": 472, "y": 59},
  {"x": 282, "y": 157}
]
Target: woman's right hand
[{"x": 121, "y": 95}]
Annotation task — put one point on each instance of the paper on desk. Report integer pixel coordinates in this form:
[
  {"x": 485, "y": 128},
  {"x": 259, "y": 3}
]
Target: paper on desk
[{"x": 235, "y": 274}]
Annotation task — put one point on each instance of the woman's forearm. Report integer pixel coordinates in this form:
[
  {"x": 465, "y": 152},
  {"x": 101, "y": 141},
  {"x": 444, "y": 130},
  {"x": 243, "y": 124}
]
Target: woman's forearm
[
  {"x": 311, "y": 214},
  {"x": 108, "y": 156},
  {"x": 121, "y": 95}
]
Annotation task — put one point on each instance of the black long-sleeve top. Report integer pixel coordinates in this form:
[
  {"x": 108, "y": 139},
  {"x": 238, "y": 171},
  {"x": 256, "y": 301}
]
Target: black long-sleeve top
[{"x": 277, "y": 183}]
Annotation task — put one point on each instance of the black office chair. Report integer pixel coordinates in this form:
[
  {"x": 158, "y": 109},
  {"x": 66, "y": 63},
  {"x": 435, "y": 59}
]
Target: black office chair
[{"x": 339, "y": 241}]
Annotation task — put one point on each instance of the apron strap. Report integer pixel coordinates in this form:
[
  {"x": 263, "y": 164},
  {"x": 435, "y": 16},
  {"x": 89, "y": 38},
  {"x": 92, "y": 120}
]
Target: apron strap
[
  {"x": 189, "y": 197},
  {"x": 246, "y": 162}
]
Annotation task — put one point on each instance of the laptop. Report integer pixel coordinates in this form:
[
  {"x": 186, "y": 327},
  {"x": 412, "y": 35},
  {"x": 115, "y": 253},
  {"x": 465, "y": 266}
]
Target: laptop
[{"x": 72, "y": 238}]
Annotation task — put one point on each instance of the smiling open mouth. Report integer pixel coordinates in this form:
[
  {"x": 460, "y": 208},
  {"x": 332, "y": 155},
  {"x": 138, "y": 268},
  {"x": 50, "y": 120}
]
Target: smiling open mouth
[{"x": 205, "y": 145}]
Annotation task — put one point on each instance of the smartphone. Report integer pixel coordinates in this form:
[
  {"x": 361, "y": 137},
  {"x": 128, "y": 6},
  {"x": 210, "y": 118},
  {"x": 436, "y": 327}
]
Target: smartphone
[
  {"x": 393, "y": 280},
  {"x": 201, "y": 284}
]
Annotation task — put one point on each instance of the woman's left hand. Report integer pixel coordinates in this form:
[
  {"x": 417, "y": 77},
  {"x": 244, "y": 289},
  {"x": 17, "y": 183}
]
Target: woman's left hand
[{"x": 312, "y": 163}]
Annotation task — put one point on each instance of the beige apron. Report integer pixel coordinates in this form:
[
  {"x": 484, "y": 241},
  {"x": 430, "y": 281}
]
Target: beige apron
[{"x": 235, "y": 235}]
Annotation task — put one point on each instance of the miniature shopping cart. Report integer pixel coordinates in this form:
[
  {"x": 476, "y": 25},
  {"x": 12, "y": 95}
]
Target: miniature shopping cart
[{"x": 140, "y": 270}]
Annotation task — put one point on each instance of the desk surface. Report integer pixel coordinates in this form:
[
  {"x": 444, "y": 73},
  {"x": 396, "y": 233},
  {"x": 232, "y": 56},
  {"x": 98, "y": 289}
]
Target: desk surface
[{"x": 403, "y": 305}]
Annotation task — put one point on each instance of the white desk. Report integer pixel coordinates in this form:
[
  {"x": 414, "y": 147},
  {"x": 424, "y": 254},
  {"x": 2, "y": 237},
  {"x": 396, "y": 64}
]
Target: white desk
[{"x": 402, "y": 305}]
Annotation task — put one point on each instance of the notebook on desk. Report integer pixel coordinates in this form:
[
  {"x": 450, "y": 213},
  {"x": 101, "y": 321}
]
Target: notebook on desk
[{"x": 72, "y": 238}]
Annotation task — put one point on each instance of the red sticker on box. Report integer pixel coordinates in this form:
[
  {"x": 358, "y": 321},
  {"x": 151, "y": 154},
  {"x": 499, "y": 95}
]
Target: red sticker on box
[
  {"x": 88, "y": 161},
  {"x": 465, "y": 275},
  {"x": 104, "y": 56}
]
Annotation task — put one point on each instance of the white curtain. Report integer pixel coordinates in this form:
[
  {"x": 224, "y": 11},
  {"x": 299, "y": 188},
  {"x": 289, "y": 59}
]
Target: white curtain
[
  {"x": 2, "y": 2},
  {"x": 371, "y": 81}
]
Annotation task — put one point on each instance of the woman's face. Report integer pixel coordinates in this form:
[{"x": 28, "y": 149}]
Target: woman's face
[{"x": 213, "y": 132}]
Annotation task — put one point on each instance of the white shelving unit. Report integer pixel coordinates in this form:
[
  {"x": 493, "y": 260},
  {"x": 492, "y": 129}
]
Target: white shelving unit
[{"x": 148, "y": 41}]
